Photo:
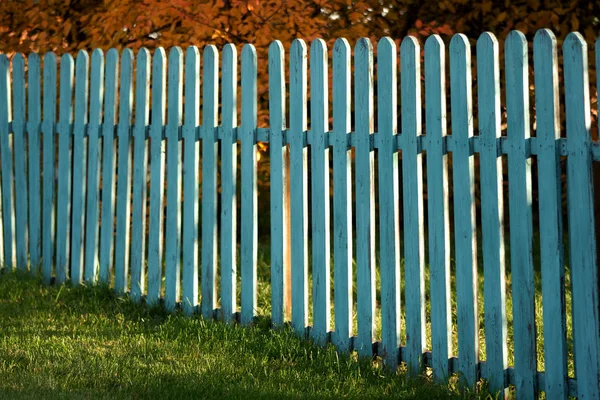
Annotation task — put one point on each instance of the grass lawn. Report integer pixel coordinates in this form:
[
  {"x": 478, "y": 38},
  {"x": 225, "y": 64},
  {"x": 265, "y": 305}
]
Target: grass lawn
[{"x": 63, "y": 342}]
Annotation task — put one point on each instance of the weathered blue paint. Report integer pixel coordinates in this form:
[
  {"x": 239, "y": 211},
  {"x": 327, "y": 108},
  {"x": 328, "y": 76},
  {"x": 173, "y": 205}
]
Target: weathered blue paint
[
  {"x": 155, "y": 213},
  {"x": 93, "y": 168},
  {"x": 189, "y": 235},
  {"x": 278, "y": 174},
  {"x": 492, "y": 219},
  {"x": 78, "y": 166},
  {"x": 19, "y": 128},
  {"x": 389, "y": 209},
  {"x": 173, "y": 167},
  {"x": 108, "y": 166},
  {"x": 298, "y": 186},
  {"x": 123, "y": 178},
  {"x": 412, "y": 181},
  {"x": 342, "y": 197},
  {"x": 64, "y": 167},
  {"x": 547, "y": 103},
  {"x": 228, "y": 184},
  {"x": 210, "y": 152},
  {"x": 5, "y": 159},
  {"x": 365, "y": 192},
  {"x": 582, "y": 237},
  {"x": 140, "y": 165},
  {"x": 437, "y": 203},
  {"x": 34, "y": 161},
  {"x": 319, "y": 124},
  {"x": 521, "y": 242},
  {"x": 464, "y": 208},
  {"x": 249, "y": 234},
  {"x": 48, "y": 205}
]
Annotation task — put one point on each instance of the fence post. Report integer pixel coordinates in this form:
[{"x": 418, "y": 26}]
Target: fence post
[
  {"x": 550, "y": 203},
  {"x": 389, "y": 209},
  {"x": 228, "y": 183},
  {"x": 464, "y": 208},
  {"x": 249, "y": 234},
  {"x": 35, "y": 191},
  {"x": 437, "y": 198},
  {"x": 582, "y": 238},
  {"x": 491, "y": 178}
]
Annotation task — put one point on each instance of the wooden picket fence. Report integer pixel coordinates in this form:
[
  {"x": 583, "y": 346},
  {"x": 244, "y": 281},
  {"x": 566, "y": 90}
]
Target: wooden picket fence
[{"x": 89, "y": 168}]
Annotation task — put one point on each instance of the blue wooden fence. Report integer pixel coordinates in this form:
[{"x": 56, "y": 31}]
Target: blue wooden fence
[{"x": 74, "y": 193}]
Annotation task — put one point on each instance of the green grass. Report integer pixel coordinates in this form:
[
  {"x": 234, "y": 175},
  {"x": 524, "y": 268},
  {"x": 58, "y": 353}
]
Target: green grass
[{"x": 64, "y": 342}]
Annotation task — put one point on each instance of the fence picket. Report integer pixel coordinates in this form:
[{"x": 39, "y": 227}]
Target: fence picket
[
  {"x": 228, "y": 184},
  {"x": 140, "y": 165},
  {"x": 93, "y": 181},
  {"x": 63, "y": 187},
  {"x": 78, "y": 166},
  {"x": 319, "y": 117},
  {"x": 278, "y": 174},
  {"x": 492, "y": 220},
  {"x": 6, "y": 161},
  {"x": 156, "y": 176},
  {"x": 123, "y": 178},
  {"x": 412, "y": 192},
  {"x": 189, "y": 235},
  {"x": 33, "y": 168},
  {"x": 437, "y": 203},
  {"x": 464, "y": 208},
  {"x": 365, "y": 190},
  {"x": 545, "y": 56},
  {"x": 173, "y": 167},
  {"x": 248, "y": 191},
  {"x": 19, "y": 128},
  {"x": 342, "y": 197},
  {"x": 519, "y": 178},
  {"x": 48, "y": 133},
  {"x": 298, "y": 186},
  {"x": 210, "y": 151},
  {"x": 108, "y": 166},
  {"x": 582, "y": 238},
  {"x": 389, "y": 219}
]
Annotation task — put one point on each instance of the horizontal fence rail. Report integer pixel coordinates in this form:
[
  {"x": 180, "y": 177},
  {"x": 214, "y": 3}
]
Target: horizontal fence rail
[{"x": 128, "y": 187}]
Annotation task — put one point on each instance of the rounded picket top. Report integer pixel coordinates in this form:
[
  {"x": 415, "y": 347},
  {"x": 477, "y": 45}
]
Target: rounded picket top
[
  {"x": 574, "y": 42},
  {"x": 342, "y": 46},
  {"x": 143, "y": 56},
  {"x": 112, "y": 54},
  {"x": 363, "y": 45},
  {"x": 230, "y": 50},
  {"x": 18, "y": 61},
  {"x": 318, "y": 47},
  {"x": 487, "y": 40},
  {"x": 160, "y": 56},
  {"x": 210, "y": 53},
  {"x": 175, "y": 55},
  {"x": 276, "y": 49},
  {"x": 248, "y": 52},
  {"x": 192, "y": 53},
  {"x": 516, "y": 40},
  {"x": 386, "y": 46},
  {"x": 410, "y": 44},
  {"x": 460, "y": 44},
  {"x": 82, "y": 57},
  {"x": 434, "y": 43},
  {"x": 67, "y": 63},
  {"x": 126, "y": 61},
  {"x": 544, "y": 37},
  {"x": 298, "y": 48},
  {"x": 33, "y": 57},
  {"x": 50, "y": 58},
  {"x": 97, "y": 56}
]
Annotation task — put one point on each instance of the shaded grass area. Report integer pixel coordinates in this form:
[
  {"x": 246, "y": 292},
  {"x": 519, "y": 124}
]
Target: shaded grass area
[{"x": 64, "y": 342}]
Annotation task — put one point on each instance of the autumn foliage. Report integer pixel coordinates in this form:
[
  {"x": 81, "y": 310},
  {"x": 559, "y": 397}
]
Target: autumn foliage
[{"x": 71, "y": 25}]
